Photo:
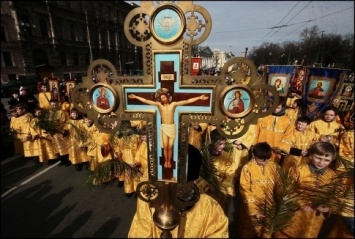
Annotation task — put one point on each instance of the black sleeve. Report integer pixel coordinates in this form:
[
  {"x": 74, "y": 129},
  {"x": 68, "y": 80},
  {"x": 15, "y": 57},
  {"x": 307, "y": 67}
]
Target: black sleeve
[{"x": 296, "y": 151}]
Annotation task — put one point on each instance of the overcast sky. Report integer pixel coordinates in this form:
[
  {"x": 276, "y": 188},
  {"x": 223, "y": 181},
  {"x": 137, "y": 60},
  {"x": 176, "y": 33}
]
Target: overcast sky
[{"x": 240, "y": 24}]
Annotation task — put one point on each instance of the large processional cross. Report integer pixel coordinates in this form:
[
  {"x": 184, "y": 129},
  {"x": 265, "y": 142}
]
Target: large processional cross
[{"x": 167, "y": 31}]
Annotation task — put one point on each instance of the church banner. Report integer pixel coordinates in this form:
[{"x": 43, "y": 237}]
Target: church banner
[
  {"x": 344, "y": 99},
  {"x": 281, "y": 77},
  {"x": 196, "y": 63},
  {"x": 322, "y": 86}
]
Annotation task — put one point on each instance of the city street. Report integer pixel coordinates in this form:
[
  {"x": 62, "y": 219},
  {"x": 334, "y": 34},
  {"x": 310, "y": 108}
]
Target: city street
[{"x": 54, "y": 201}]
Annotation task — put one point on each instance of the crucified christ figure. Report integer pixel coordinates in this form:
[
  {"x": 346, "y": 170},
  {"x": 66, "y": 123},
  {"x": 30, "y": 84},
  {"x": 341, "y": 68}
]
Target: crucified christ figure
[{"x": 167, "y": 109}]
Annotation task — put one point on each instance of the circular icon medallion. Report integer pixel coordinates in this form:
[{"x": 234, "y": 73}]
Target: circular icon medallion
[{"x": 167, "y": 24}]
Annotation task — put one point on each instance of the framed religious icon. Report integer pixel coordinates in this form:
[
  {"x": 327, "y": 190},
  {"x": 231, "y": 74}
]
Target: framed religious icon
[
  {"x": 280, "y": 83},
  {"x": 167, "y": 24},
  {"x": 236, "y": 101},
  {"x": 104, "y": 98},
  {"x": 69, "y": 86},
  {"x": 318, "y": 89},
  {"x": 53, "y": 85}
]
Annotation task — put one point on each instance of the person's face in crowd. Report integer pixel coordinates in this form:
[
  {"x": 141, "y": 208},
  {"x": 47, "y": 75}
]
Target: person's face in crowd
[
  {"x": 329, "y": 116},
  {"x": 294, "y": 105},
  {"x": 54, "y": 105},
  {"x": 74, "y": 115},
  {"x": 301, "y": 126},
  {"x": 37, "y": 113},
  {"x": 23, "y": 92},
  {"x": 44, "y": 88},
  {"x": 14, "y": 113},
  {"x": 219, "y": 146},
  {"x": 15, "y": 95},
  {"x": 88, "y": 121},
  {"x": 20, "y": 111},
  {"x": 321, "y": 161},
  {"x": 260, "y": 162},
  {"x": 278, "y": 109},
  {"x": 143, "y": 137}
]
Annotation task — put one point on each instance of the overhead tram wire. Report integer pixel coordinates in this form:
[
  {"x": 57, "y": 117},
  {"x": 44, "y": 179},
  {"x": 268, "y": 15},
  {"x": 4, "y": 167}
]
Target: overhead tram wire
[
  {"x": 297, "y": 23},
  {"x": 290, "y": 19},
  {"x": 273, "y": 28},
  {"x": 311, "y": 20}
]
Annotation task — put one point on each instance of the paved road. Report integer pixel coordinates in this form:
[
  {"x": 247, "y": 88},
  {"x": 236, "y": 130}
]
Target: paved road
[{"x": 45, "y": 201}]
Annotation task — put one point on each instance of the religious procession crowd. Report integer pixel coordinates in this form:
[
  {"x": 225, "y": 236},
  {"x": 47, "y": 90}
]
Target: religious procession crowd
[{"x": 317, "y": 156}]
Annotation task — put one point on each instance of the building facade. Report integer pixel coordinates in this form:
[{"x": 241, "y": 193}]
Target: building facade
[{"x": 39, "y": 38}]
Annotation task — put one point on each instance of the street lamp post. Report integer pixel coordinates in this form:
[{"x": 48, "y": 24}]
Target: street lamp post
[{"x": 27, "y": 30}]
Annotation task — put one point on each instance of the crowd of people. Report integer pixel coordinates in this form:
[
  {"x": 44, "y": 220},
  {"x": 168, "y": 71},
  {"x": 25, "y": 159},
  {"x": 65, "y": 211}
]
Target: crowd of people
[{"x": 314, "y": 154}]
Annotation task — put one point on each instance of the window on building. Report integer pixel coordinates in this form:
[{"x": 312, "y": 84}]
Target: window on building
[
  {"x": 3, "y": 33},
  {"x": 72, "y": 32},
  {"x": 87, "y": 58},
  {"x": 83, "y": 35},
  {"x": 104, "y": 39},
  {"x": 121, "y": 18},
  {"x": 43, "y": 28},
  {"x": 113, "y": 59},
  {"x": 118, "y": 40},
  {"x": 58, "y": 30},
  {"x": 122, "y": 40},
  {"x": 112, "y": 40},
  {"x": 63, "y": 58},
  {"x": 76, "y": 58},
  {"x": 7, "y": 57},
  {"x": 12, "y": 77}
]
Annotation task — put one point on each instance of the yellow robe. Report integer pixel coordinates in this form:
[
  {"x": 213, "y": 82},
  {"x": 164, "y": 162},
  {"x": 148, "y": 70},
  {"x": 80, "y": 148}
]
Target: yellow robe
[
  {"x": 256, "y": 181},
  {"x": 30, "y": 146},
  {"x": 142, "y": 158},
  {"x": 226, "y": 166},
  {"x": 128, "y": 146},
  {"x": 277, "y": 131},
  {"x": 61, "y": 143},
  {"x": 105, "y": 151},
  {"x": 15, "y": 128},
  {"x": 45, "y": 142},
  {"x": 205, "y": 220},
  {"x": 346, "y": 151},
  {"x": 20, "y": 128},
  {"x": 241, "y": 157},
  {"x": 66, "y": 107},
  {"x": 301, "y": 140},
  {"x": 346, "y": 148},
  {"x": 293, "y": 114},
  {"x": 90, "y": 133},
  {"x": 43, "y": 100},
  {"x": 306, "y": 224},
  {"x": 195, "y": 136},
  {"x": 321, "y": 128},
  {"x": 76, "y": 153}
]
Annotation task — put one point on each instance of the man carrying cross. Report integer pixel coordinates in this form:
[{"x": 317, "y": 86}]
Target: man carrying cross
[{"x": 167, "y": 109}]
